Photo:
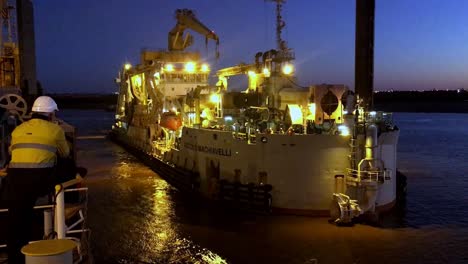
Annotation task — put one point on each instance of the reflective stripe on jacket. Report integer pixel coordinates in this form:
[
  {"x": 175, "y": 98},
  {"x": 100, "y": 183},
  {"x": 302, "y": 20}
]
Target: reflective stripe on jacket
[{"x": 36, "y": 143}]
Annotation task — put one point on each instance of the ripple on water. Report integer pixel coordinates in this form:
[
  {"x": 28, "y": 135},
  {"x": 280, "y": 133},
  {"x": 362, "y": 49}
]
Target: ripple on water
[
  {"x": 133, "y": 219},
  {"x": 136, "y": 217}
]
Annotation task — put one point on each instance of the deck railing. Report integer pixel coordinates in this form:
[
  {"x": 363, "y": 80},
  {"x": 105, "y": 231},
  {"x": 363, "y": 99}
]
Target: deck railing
[
  {"x": 356, "y": 176},
  {"x": 59, "y": 225}
]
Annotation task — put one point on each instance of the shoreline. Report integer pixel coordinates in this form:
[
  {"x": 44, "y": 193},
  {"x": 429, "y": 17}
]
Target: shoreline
[{"x": 389, "y": 102}]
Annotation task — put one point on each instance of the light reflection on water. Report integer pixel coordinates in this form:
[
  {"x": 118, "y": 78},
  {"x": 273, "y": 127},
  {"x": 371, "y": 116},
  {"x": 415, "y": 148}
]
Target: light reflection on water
[
  {"x": 136, "y": 217},
  {"x": 131, "y": 211}
]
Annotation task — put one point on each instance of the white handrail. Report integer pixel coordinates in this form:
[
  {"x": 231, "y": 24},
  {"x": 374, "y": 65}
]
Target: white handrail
[
  {"x": 370, "y": 176},
  {"x": 46, "y": 206},
  {"x": 60, "y": 226}
]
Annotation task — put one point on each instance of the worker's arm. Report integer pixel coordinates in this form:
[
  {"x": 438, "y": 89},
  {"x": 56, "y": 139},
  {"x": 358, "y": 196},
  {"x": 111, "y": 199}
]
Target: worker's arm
[
  {"x": 62, "y": 146},
  {"x": 13, "y": 141}
]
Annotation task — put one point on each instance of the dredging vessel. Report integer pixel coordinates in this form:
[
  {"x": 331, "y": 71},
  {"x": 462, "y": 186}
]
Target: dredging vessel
[{"x": 273, "y": 146}]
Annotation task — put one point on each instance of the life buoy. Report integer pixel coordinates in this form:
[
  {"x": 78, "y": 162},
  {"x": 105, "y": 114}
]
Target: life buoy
[{"x": 171, "y": 121}]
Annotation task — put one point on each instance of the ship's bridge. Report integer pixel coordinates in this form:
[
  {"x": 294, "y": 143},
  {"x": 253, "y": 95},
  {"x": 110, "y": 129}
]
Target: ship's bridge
[{"x": 175, "y": 79}]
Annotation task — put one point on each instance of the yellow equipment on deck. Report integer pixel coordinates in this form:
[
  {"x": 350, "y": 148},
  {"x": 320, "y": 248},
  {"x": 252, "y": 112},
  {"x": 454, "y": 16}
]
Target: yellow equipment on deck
[{"x": 49, "y": 252}]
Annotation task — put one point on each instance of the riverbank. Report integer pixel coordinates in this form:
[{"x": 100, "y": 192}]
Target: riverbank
[
  {"x": 86, "y": 101},
  {"x": 451, "y": 101},
  {"x": 454, "y": 101},
  {"x": 422, "y": 107}
]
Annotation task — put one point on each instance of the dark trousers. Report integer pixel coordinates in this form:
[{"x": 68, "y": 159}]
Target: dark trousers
[
  {"x": 22, "y": 188},
  {"x": 65, "y": 171}
]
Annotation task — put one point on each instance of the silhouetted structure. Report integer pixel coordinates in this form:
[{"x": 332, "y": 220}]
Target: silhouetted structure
[
  {"x": 364, "y": 64},
  {"x": 27, "y": 46},
  {"x": 436, "y": 101}
]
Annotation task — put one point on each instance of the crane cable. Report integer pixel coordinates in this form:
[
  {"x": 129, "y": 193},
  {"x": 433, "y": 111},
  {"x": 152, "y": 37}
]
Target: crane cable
[{"x": 296, "y": 84}]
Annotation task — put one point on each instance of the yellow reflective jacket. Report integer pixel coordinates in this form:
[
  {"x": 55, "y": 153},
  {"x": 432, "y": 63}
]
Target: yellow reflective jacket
[{"x": 36, "y": 143}]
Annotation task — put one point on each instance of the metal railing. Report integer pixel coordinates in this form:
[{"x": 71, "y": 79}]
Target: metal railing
[
  {"x": 250, "y": 138},
  {"x": 357, "y": 176},
  {"x": 60, "y": 227}
]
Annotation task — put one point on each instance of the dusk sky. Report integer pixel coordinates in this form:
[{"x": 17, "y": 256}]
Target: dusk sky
[{"x": 420, "y": 44}]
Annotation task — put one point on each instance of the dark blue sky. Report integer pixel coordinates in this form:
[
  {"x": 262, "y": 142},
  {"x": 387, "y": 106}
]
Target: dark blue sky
[{"x": 420, "y": 44}]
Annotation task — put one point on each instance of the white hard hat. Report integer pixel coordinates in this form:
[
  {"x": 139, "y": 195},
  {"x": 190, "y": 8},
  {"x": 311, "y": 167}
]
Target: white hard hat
[{"x": 44, "y": 104}]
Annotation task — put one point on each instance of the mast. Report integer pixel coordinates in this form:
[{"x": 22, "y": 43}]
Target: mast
[
  {"x": 280, "y": 24},
  {"x": 364, "y": 53},
  {"x": 284, "y": 53}
]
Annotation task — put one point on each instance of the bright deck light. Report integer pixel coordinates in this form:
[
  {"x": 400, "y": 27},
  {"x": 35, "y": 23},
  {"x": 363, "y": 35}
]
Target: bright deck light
[
  {"x": 204, "y": 67},
  {"x": 127, "y": 66},
  {"x": 190, "y": 67},
  {"x": 169, "y": 67},
  {"x": 266, "y": 72},
  {"x": 288, "y": 69},
  {"x": 215, "y": 98}
]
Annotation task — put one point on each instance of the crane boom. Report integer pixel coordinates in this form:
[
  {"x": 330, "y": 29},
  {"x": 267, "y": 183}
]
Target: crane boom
[
  {"x": 186, "y": 19},
  {"x": 236, "y": 70}
]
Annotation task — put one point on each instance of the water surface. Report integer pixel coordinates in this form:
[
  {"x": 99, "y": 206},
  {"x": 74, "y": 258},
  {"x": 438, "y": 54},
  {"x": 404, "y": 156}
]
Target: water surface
[{"x": 136, "y": 217}]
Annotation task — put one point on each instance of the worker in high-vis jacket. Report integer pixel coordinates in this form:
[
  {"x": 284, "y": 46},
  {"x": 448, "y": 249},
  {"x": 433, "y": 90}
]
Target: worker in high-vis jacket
[{"x": 35, "y": 147}]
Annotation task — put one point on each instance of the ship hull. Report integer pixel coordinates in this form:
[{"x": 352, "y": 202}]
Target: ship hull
[
  {"x": 184, "y": 180},
  {"x": 301, "y": 168}
]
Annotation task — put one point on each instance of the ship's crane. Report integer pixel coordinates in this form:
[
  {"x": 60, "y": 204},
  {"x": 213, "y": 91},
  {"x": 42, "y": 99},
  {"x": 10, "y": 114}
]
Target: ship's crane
[
  {"x": 249, "y": 69},
  {"x": 178, "y": 41}
]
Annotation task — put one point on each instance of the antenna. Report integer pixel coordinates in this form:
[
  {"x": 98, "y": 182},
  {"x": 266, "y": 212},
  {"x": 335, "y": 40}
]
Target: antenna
[
  {"x": 280, "y": 24},
  {"x": 286, "y": 53}
]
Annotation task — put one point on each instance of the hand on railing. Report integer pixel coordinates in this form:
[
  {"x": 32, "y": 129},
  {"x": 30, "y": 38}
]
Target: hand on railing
[{"x": 3, "y": 172}]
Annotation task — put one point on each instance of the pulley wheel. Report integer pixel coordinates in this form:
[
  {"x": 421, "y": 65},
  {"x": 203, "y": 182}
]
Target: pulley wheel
[{"x": 14, "y": 103}]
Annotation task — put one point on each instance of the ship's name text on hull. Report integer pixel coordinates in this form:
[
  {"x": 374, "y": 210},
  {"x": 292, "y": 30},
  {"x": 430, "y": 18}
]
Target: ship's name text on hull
[{"x": 208, "y": 149}]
